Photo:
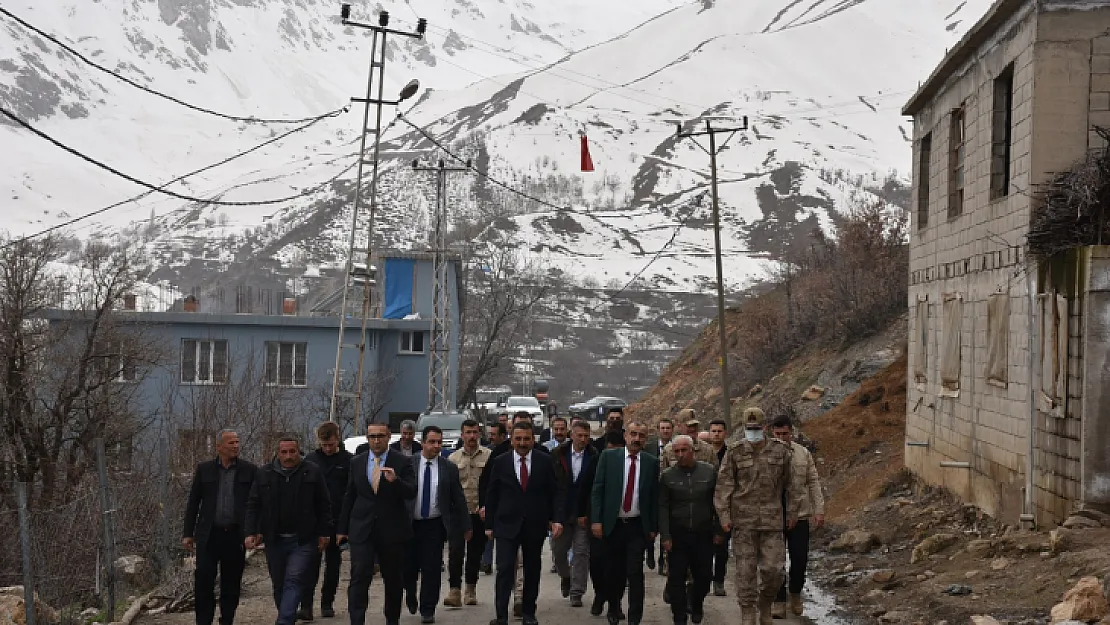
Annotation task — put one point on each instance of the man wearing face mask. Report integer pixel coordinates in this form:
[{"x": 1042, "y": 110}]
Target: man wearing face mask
[{"x": 753, "y": 480}]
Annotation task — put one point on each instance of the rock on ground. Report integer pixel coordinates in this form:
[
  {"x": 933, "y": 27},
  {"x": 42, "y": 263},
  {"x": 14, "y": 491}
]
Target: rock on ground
[
  {"x": 1084, "y": 602},
  {"x": 12, "y": 608},
  {"x": 931, "y": 545},
  {"x": 858, "y": 541}
]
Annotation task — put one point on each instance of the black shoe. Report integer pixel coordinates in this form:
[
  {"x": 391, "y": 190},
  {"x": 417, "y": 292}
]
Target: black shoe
[
  {"x": 576, "y": 602},
  {"x": 411, "y": 602},
  {"x": 597, "y": 606},
  {"x": 326, "y": 610},
  {"x": 666, "y": 595},
  {"x": 487, "y": 569},
  {"x": 612, "y": 618},
  {"x": 427, "y": 618},
  {"x": 680, "y": 621},
  {"x": 566, "y": 587},
  {"x": 531, "y": 620},
  {"x": 304, "y": 614},
  {"x": 499, "y": 621},
  {"x": 620, "y": 614},
  {"x": 696, "y": 616}
]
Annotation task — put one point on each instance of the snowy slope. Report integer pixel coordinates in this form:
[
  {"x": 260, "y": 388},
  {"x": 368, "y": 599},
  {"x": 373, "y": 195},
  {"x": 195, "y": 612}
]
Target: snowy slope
[{"x": 820, "y": 80}]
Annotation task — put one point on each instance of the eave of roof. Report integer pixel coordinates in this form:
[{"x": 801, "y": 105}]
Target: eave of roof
[{"x": 978, "y": 35}]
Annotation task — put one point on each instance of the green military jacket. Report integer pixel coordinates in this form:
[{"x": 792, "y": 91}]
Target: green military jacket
[{"x": 753, "y": 484}]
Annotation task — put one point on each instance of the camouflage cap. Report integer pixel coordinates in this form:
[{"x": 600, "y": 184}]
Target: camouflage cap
[
  {"x": 687, "y": 416},
  {"x": 753, "y": 416}
]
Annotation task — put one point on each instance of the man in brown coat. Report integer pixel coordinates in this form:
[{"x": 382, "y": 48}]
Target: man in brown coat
[{"x": 753, "y": 479}]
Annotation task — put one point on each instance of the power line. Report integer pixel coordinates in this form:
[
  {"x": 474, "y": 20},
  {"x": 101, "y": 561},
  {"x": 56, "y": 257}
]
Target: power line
[
  {"x": 132, "y": 179},
  {"x": 159, "y": 94}
]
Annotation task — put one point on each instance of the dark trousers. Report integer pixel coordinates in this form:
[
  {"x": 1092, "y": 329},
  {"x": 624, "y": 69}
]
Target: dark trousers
[
  {"x": 797, "y": 546},
  {"x": 223, "y": 550},
  {"x": 690, "y": 551},
  {"x": 597, "y": 565},
  {"x": 531, "y": 548},
  {"x": 331, "y": 559},
  {"x": 390, "y": 557},
  {"x": 288, "y": 561},
  {"x": 720, "y": 560},
  {"x": 624, "y": 567},
  {"x": 425, "y": 563},
  {"x": 470, "y": 550}
]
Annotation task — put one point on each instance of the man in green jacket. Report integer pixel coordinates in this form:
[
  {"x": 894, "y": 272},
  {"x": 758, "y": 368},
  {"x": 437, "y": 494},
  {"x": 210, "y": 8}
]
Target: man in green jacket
[
  {"x": 624, "y": 508},
  {"x": 687, "y": 523}
]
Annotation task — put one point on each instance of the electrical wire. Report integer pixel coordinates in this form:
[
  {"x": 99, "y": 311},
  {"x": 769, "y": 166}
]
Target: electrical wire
[
  {"x": 200, "y": 109},
  {"x": 152, "y": 188}
]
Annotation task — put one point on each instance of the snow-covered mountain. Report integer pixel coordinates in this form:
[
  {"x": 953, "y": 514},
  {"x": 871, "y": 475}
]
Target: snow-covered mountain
[{"x": 821, "y": 82}]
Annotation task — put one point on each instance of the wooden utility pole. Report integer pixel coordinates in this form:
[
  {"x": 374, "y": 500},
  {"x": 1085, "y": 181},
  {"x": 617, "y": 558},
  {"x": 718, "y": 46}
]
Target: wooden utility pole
[
  {"x": 726, "y": 403},
  {"x": 106, "y": 524}
]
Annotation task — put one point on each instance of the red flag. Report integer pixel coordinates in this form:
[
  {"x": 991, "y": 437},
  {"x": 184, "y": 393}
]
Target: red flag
[{"x": 587, "y": 162}]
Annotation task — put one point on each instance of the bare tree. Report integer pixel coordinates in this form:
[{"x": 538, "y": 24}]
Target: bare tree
[
  {"x": 376, "y": 389},
  {"x": 501, "y": 296},
  {"x": 69, "y": 377}
]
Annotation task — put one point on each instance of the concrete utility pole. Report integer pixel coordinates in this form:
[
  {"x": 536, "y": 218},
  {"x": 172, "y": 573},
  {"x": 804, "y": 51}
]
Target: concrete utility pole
[
  {"x": 363, "y": 276},
  {"x": 726, "y": 403},
  {"x": 439, "y": 364}
]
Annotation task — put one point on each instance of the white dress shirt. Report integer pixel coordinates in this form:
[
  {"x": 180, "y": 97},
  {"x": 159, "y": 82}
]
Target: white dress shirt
[
  {"x": 576, "y": 458},
  {"x": 635, "y": 510},
  {"x": 527, "y": 461},
  {"x": 420, "y": 486}
]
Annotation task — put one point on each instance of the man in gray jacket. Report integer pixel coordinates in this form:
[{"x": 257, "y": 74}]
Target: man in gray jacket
[{"x": 687, "y": 524}]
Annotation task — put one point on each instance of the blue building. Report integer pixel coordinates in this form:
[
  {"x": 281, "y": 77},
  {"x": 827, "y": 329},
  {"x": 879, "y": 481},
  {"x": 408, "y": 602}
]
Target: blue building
[{"x": 269, "y": 375}]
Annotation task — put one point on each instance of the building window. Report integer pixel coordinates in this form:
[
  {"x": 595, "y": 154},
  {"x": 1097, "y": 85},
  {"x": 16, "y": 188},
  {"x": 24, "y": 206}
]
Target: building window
[
  {"x": 921, "y": 335},
  {"x": 998, "y": 339},
  {"x": 1002, "y": 119},
  {"x": 950, "y": 352},
  {"x": 924, "y": 154},
  {"x": 1054, "y": 350},
  {"x": 412, "y": 342},
  {"x": 287, "y": 364},
  {"x": 204, "y": 361},
  {"x": 121, "y": 367},
  {"x": 957, "y": 142}
]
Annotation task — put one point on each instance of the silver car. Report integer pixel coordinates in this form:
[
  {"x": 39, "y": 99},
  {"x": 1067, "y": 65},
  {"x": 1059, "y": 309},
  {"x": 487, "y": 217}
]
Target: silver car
[{"x": 449, "y": 422}]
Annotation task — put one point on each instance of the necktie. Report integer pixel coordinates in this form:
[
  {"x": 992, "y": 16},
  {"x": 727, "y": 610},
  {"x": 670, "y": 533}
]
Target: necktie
[
  {"x": 426, "y": 497},
  {"x": 376, "y": 477},
  {"x": 523, "y": 473},
  {"x": 630, "y": 488}
]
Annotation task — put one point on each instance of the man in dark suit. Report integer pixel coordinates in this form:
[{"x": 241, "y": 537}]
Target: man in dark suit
[
  {"x": 335, "y": 465},
  {"x": 407, "y": 444},
  {"x": 438, "y": 513},
  {"x": 524, "y": 501},
  {"x": 289, "y": 509},
  {"x": 572, "y": 462},
  {"x": 375, "y": 519},
  {"x": 624, "y": 511},
  {"x": 665, "y": 430},
  {"x": 215, "y": 517}
]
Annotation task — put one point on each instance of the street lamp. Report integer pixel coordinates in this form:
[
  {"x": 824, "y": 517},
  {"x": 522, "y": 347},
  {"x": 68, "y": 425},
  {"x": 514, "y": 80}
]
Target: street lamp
[{"x": 409, "y": 90}]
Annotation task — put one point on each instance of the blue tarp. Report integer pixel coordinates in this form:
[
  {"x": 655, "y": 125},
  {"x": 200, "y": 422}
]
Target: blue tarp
[{"x": 398, "y": 287}]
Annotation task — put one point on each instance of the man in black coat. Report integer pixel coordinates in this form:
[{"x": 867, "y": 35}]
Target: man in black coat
[
  {"x": 572, "y": 462},
  {"x": 289, "y": 509},
  {"x": 214, "y": 520},
  {"x": 335, "y": 464},
  {"x": 524, "y": 502},
  {"x": 375, "y": 518},
  {"x": 438, "y": 512},
  {"x": 613, "y": 423}
]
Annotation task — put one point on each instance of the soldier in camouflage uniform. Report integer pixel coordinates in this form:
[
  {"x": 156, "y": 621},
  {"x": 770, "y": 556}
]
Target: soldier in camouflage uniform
[
  {"x": 752, "y": 482},
  {"x": 703, "y": 451}
]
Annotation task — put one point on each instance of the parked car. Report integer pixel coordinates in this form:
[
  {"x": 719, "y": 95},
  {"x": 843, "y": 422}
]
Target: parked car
[
  {"x": 449, "y": 422},
  {"x": 523, "y": 403},
  {"x": 595, "y": 408}
]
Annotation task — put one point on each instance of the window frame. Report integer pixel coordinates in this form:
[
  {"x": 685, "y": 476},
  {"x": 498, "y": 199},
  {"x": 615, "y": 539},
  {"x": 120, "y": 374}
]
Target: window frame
[
  {"x": 957, "y": 162},
  {"x": 407, "y": 349},
  {"x": 924, "y": 157},
  {"x": 215, "y": 375},
  {"x": 296, "y": 359},
  {"x": 1002, "y": 124}
]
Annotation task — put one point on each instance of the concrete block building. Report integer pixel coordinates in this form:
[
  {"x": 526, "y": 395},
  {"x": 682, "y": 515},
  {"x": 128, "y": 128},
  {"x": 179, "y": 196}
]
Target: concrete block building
[{"x": 1007, "y": 351}]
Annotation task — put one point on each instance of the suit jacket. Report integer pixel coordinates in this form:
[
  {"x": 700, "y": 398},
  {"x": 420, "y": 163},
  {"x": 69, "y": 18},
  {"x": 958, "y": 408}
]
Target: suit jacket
[
  {"x": 503, "y": 447},
  {"x": 607, "y": 494},
  {"x": 655, "y": 447},
  {"x": 564, "y": 472},
  {"x": 510, "y": 510},
  {"x": 200, "y": 509},
  {"x": 452, "y": 500},
  {"x": 396, "y": 446},
  {"x": 387, "y": 512}
]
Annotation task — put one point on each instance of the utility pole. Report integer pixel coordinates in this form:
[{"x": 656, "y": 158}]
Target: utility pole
[
  {"x": 726, "y": 403},
  {"x": 362, "y": 276},
  {"x": 439, "y": 364}
]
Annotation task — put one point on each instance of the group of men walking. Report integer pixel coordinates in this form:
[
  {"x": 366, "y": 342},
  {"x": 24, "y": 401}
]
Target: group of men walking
[{"x": 602, "y": 503}]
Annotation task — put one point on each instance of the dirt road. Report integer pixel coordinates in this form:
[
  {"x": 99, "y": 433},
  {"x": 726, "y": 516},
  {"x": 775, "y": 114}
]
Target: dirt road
[{"x": 257, "y": 607}]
